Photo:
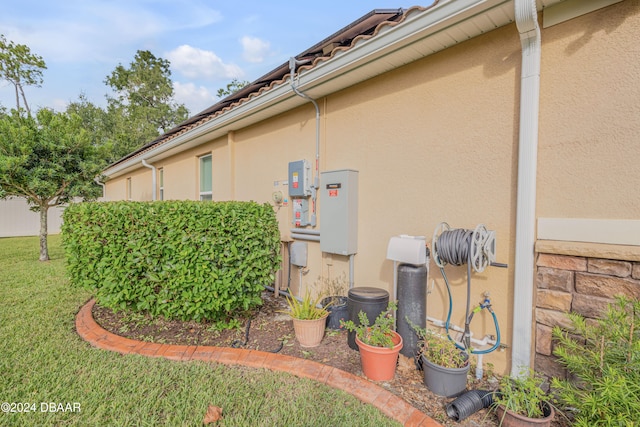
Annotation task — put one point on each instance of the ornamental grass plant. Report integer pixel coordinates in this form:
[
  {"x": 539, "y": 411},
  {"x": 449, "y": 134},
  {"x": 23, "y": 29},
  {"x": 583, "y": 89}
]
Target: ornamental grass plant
[{"x": 306, "y": 308}]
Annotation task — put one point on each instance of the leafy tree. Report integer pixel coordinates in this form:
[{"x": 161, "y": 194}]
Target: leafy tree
[
  {"x": 143, "y": 105},
  {"x": 48, "y": 160},
  {"x": 99, "y": 124},
  {"x": 21, "y": 68},
  {"x": 231, "y": 88}
]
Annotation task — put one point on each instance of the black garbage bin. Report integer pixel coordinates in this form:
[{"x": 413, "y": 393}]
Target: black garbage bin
[{"x": 372, "y": 301}]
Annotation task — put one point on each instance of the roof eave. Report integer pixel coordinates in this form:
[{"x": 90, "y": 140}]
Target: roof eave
[{"x": 423, "y": 32}]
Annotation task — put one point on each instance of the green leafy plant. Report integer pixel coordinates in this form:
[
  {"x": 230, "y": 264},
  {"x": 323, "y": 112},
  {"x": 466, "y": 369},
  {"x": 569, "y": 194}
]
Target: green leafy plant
[
  {"x": 522, "y": 395},
  {"x": 603, "y": 360},
  {"x": 380, "y": 333},
  {"x": 307, "y": 309},
  {"x": 438, "y": 349},
  {"x": 183, "y": 260}
]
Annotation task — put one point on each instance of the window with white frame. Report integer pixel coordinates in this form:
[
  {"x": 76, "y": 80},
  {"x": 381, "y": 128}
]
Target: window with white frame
[
  {"x": 129, "y": 195},
  {"x": 206, "y": 177},
  {"x": 161, "y": 179}
]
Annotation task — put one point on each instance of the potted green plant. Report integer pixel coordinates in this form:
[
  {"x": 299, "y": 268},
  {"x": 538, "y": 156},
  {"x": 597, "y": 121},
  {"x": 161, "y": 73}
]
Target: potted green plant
[
  {"x": 520, "y": 401},
  {"x": 378, "y": 343},
  {"x": 309, "y": 319},
  {"x": 445, "y": 366}
]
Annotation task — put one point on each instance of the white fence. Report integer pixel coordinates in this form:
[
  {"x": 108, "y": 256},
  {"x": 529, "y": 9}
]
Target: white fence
[{"x": 17, "y": 220}]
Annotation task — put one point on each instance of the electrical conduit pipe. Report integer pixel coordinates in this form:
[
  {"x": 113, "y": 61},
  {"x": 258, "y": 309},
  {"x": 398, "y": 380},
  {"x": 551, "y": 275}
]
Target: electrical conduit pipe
[
  {"x": 316, "y": 182},
  {"x": 526, "y": 15}
]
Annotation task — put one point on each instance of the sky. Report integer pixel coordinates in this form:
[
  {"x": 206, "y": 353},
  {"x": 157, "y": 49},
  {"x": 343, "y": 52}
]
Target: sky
[{"x": 209, "y": 43}]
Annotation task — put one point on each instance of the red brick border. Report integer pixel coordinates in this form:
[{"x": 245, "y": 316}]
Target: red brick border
[{"x": 368, "y": 392}]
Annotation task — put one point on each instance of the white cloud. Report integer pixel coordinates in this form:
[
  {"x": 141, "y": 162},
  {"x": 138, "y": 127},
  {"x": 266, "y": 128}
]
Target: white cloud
[
  {"x": 195, "y": 98},
  {"x": 198, "y": 63},
  {"x": 98, "y": 30},
  {"x": 254, "y": 49}
]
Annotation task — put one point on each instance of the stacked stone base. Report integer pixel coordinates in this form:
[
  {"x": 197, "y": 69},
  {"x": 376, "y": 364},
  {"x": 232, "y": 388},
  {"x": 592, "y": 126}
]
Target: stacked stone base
[{"x": 582, "y": 284}]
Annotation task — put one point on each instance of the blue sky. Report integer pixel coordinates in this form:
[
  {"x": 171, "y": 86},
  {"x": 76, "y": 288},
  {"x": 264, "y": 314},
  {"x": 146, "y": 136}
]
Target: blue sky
[{"x": 207, "y": 42}]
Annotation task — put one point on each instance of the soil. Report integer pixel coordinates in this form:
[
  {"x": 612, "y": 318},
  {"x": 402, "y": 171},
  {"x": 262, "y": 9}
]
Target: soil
[{"x": 271, "y": 330}]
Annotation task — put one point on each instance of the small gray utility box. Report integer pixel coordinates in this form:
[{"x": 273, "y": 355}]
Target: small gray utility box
[{"x": 339, "y": 212}]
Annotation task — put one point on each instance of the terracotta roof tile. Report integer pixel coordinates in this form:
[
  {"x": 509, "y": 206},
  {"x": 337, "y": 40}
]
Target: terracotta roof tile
[{"x": 363, "y": 29}]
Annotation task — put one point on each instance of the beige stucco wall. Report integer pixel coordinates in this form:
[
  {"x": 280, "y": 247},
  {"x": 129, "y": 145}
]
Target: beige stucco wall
[
  {"x": 141, "y": 180},
  {"x": 589, "y": 116},
  {"x": 436, "y": 141}
]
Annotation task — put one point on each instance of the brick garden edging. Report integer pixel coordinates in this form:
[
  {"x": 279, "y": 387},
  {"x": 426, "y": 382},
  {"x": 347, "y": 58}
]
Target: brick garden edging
[{"x": 368, "y": 392}]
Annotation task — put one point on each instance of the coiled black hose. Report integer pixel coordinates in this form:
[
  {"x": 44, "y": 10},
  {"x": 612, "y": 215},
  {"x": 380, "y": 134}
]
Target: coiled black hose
[{"x": 469, "y": 403}]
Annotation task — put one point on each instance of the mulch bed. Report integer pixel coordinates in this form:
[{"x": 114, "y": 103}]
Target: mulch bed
[{"x": 272, "y": 330}]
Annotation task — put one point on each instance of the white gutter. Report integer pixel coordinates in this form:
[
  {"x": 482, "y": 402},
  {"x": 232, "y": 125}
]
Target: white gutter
[
  {"x": 367, "y": 59},
  {"x": 153, "y": 178},
  {"x": 527, "y": 23}
]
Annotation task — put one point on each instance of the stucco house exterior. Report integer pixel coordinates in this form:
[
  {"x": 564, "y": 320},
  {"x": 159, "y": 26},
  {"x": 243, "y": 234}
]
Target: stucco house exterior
[{"x": 521, "y": 115}]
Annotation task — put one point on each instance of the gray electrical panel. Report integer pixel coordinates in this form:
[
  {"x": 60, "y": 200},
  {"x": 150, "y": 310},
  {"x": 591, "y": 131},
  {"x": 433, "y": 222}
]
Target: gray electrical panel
[
  {"x": 339, "y": 211},
  {"x": 298, "y": 253},
  {"x": 299, "y": 185}
]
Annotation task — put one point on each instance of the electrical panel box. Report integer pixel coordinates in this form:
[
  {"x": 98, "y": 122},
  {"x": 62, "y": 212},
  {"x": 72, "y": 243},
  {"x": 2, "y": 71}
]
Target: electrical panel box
[
  {"x": 298, "y": 254},
  {"x": 300, "y": 212},
  {"x": 299, "y": 185},
  {"x": 339, "y": 211}
]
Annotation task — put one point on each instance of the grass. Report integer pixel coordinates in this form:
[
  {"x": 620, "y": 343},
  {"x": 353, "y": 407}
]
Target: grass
[{"x": 43, "y": 360}]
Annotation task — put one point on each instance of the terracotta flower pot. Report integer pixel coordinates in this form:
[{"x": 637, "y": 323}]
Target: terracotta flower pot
[
  {"x": 309, "y": 333},
  {"x": 379, "y": 363},
  {"x": 511, "y": 419}
]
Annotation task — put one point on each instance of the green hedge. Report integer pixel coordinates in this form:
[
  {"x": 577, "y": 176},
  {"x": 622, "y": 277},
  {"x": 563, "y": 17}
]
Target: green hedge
[{"x": 180, "y": 259}]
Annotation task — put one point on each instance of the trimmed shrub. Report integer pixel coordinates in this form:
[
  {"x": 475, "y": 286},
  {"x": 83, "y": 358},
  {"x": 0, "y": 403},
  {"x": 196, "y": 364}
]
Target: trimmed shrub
[{"x": 180, "y": 259}]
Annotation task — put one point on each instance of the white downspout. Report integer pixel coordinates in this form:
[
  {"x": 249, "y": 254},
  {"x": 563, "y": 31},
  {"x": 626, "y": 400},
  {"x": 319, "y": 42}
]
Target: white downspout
[
  {"x": 527, "y": 23},
  {"x": 101, "y": 184},
  {"x": 153, "y": 178}
]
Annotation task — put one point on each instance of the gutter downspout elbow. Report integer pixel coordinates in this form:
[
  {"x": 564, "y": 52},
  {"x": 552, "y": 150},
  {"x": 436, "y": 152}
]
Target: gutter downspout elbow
[
  {"x": 101, "y": 184},
  {"x": 316, "y": 182},
  {"x": 526, "y": 14},
  {"x": 153, "y": 178}
]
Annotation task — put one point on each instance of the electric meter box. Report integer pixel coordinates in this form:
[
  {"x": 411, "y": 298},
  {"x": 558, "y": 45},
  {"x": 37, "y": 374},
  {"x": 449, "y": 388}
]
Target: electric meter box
[
  {"x": 339, "y": 211},
  {"x": 299, "y": 185}
]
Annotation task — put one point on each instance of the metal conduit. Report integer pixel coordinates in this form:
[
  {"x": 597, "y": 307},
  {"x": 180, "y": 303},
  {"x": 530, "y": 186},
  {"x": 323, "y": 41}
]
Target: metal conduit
[{"x": 305, "y": 231}]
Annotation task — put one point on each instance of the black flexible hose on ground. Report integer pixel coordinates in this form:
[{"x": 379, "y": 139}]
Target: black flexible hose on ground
[
  {"x": 469, "y": 403},
  {"x": 238, "y": 343}
]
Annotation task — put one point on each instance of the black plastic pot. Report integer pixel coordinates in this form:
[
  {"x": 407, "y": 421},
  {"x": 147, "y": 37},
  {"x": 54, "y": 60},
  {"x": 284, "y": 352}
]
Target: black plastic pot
[{"x": 337, "y": 308}]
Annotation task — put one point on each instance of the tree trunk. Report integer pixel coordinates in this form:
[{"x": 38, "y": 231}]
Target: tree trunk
[
  {"x": 44, "y": 250},
  {"x": 17, "y": 98},
  {"x": 24, "y": 98}
]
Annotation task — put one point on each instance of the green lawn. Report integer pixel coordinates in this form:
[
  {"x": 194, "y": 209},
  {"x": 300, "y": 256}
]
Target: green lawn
[{"x": 43, "y": 360}]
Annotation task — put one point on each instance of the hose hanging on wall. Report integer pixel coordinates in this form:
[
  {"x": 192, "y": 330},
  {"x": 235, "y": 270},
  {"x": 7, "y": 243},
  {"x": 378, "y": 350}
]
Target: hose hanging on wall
[{"x": 475, "y": 248}]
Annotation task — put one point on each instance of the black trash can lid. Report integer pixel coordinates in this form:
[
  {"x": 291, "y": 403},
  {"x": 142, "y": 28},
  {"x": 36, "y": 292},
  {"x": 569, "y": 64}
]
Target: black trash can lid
[{"x": 368, "y": 294}]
